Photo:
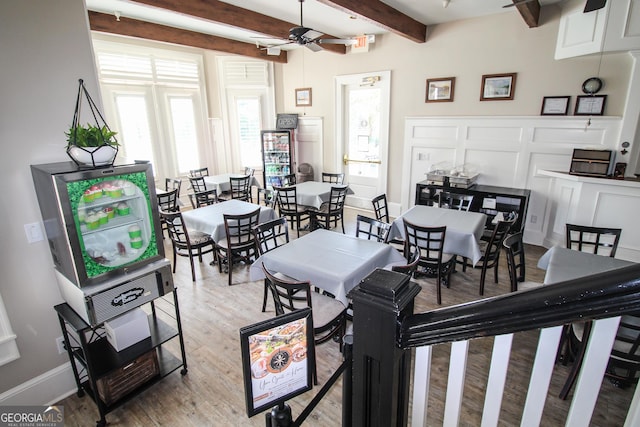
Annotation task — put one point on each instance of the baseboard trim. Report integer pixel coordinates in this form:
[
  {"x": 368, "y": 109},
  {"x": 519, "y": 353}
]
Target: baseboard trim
[{"x": 45, "y": 389}]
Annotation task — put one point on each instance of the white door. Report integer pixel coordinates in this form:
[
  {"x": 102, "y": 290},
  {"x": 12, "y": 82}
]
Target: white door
[{"x": 363, "y": 132}]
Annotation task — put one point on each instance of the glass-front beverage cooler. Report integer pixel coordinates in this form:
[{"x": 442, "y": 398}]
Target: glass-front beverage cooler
[
  {"x": 278, "y": 156},
  {"x": 104, "y": 235}
]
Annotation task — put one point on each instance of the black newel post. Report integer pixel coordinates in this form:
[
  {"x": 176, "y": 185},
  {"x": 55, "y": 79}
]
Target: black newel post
[{"x": 381, "y": 370}]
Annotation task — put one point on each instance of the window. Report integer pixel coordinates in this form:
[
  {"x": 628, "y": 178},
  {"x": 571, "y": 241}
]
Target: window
[
  {"x": 248, "y": 110},
  {"x": 249, "y": 106},
  {"x": 154, "y": 98}
]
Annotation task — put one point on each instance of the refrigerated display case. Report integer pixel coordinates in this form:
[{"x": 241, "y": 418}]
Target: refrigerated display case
[
  {"x": 278, "y": 156},
  {"x": 104, "y": 235}
]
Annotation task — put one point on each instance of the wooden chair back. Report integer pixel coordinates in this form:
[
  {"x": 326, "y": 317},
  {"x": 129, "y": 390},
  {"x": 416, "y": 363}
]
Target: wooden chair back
[
  {"x": 372, "y": 229},
  {"x": 596, "y": 240},
  {"x": 380, "y": 208}
]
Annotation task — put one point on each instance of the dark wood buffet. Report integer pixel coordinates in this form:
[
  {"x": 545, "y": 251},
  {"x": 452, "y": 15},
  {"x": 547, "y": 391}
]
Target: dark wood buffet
[{"x": 487, "y": 199}]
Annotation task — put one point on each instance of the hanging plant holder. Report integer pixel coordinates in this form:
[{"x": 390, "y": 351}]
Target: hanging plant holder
[{"x": 91, "y": 145}]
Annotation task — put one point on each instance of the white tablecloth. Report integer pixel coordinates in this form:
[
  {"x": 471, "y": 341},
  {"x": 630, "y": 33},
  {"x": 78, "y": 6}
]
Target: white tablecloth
[
  {"x": 314, "y": 193},
  {"x": 221, "y": 182},
  {"x": 210, "y": 219},
  {"x": 565, "y": 264},
  {"x": 464, "y": 229},
  {"x": 332, "y": 261}
]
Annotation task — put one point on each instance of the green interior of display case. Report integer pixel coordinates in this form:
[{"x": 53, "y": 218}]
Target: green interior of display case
[{"x": 76, "y": 191}]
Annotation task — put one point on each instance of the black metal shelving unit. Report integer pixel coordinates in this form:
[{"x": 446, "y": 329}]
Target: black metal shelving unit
[{"x": 93, "y": 358}]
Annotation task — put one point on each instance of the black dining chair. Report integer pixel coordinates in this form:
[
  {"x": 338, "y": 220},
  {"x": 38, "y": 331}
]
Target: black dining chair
[
  {"x": 413, "y": 257},
  {"x": 457, "y": 201},
  {"x": 596, "y": 240},
  {"x": 250, "y": 172},
  {"x": 433, "y": 262},
  {"x": 380, "y": 208},
  {"x": 381, "y": 211},
  {"x": 329, "y": 314},
  {"x": 239, "y": 188},
  {"x": 333, "y": 178},
  {"x": 167, "y": 202},
  {"x": 194, "y": 173},
  {"x": 574, "y": 339},
  {"x": 514, "y": 249},
  {"x": 287, "y": 203},
  {"x": 330, "y": 212},
  {"x": 186, "y": 243},
  {"x": 173, "y": 184},
  {"x": 372, "y": 229},
  {"x": 268, "y": 236},
  {"x": 491, "y": 251},
  {"x": 200, "y": 195},
  {"x": 239, "y": 242}
]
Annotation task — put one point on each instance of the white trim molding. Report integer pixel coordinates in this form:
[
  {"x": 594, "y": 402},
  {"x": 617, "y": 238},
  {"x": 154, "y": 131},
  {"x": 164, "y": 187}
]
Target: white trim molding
[{"x": 507, "y": 151}]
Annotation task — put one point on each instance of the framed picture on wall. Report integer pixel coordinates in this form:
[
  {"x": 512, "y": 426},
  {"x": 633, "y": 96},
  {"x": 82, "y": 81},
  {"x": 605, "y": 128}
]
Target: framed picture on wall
[
  {"x": 498, "y": 87},
  {"x": 303, "y": 97},
  {"x": 555, "y": 105},
  {"x": 440, "y": 90},
  {"x": 590, "y": 105}
]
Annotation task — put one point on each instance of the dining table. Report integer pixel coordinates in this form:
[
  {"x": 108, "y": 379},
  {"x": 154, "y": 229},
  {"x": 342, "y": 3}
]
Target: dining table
[
  {"x": 464, "y": 229},
  {"x": 210, "y": 219},
  {"x": 315, "y": 193},
  {"x": 221, "y": 182},
  {"x": 562, "y": 264},
  {"x": 332, "y": 261}
]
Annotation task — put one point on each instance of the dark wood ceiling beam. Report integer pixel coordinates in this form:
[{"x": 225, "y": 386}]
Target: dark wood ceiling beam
[
  {"x": 382, "y": 15},
  {"x": 236, "y": 17},
  {"x": 131, "y": 27},
  {"x": 530, "y": 12}
]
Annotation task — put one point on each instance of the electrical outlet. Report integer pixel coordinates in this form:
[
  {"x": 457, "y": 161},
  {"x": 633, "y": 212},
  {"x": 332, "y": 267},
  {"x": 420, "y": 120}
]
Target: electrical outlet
[
  {"x": 60, "y": 345},
  {"x": 534, "y": 219}
]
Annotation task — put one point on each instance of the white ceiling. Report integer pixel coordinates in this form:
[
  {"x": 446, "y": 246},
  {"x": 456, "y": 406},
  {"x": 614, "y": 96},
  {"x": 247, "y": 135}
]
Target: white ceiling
[{"x": 316, "y": 15}]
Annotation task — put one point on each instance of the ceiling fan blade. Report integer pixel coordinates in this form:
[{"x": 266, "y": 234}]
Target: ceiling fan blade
[
  {"x": 592, "y": 5},
  {"x": 313, "y": 47},
  {"x": 517, "y": 3},
  {"x": 275, "y": 45},
  {"x": 346, "y": 42}
]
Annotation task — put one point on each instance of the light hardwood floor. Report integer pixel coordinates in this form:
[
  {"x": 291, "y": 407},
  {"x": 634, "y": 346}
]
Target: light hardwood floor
[{"x": 212, "y": 392}]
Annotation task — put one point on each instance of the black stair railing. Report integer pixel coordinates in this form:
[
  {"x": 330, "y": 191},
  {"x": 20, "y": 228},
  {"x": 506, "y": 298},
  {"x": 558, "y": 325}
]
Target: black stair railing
[{"x": 385, "y": 328}]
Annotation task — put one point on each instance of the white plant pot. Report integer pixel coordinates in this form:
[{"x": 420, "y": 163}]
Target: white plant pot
[{"x": 93, "y": 156}]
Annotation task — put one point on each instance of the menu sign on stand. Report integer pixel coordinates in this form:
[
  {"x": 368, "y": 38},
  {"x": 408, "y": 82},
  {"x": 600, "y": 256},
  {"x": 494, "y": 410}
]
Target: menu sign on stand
[{"x": 278, "y": 359}]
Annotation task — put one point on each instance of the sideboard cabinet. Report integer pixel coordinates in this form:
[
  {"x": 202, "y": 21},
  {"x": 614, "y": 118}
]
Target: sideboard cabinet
[{"x": 487, "y": 199}]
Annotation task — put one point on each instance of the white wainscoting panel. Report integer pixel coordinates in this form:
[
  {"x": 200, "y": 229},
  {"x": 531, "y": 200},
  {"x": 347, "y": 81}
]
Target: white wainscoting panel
[{"x": 507, "y": 151}]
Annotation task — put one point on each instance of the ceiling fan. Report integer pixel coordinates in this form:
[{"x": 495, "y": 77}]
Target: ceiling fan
[
  {"x": 589, "y": 6},
  {"x": 308, "y": 37}
]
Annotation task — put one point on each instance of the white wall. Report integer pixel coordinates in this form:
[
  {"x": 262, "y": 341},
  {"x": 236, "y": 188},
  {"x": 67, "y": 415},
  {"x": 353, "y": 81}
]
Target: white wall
[
  {"x": 507, "y": 151},
  {"x": 465, "y": 50},
  {"x": 46, "y": 48}
]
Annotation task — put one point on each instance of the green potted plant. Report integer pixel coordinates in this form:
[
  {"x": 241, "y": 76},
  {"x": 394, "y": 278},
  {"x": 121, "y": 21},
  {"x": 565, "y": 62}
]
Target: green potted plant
[
  {"x": 90, "y": 136},
  {"x": 91, "y": 145}
]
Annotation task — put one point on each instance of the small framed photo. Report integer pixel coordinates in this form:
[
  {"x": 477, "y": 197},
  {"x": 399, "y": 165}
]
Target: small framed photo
[
  {"x": 498, "y": 87},
  {"x": 278, "y": 359},
  {"x": 440, "y": 90},
  {"x": 303, "y": 97},
  {"x": 590, "y": 105},
  {"x": 555, "y": 105}
]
